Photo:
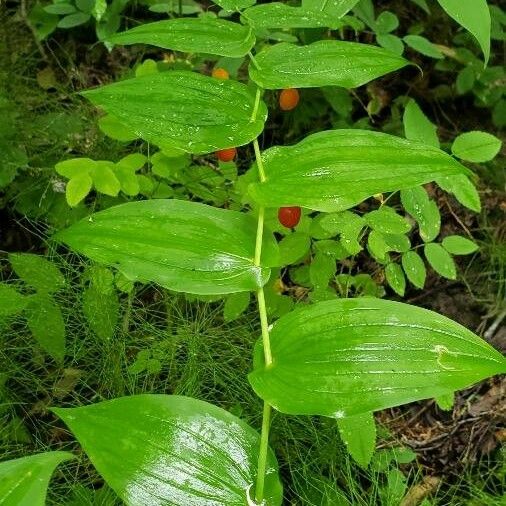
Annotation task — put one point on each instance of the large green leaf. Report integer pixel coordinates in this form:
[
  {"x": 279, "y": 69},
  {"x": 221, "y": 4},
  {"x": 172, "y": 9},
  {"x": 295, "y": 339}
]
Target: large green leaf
[
  {"x": 24, "y": 481},
  {"x": 172, "y": 450},
  {"x": 349, "y": 356},
  {"x": 279, "y": 15},
  {"x": 474, "y": 16},
  {"x": 337, "y": 169},
  {"x": 323, "y": 63},
  {"x": 192, "y": 35},
  {"x": 184, "y": 246},
  {"x": 184, "y": 110},
  {"x": 234, "y": 5}
]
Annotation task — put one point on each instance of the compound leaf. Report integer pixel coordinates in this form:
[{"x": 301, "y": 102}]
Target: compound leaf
[
  {"x": 414, "y": 268},
  {"x": 440, "y": 260}
]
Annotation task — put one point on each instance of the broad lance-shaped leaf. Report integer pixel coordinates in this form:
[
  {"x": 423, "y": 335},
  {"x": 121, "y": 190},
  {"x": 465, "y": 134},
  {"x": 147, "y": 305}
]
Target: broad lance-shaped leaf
[
  {"x": 24, "y": 481},
  {"x": 337, "y": 169},
  {"x": 323, "y": 63},
  {"x": 279, "y": 15},
  {"x": 192, "y": 35},
  {"x": 157, "y": 450},
  {"x": 183, "y": 246},
  {"x": 348, "y": 356},
  {"x": 184, "y": 110}
]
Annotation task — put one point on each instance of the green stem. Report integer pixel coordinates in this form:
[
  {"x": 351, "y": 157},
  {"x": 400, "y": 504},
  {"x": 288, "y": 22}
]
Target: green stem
[
  {"x": 262, "y": 456},
  {"x": 262, "y": 309}
]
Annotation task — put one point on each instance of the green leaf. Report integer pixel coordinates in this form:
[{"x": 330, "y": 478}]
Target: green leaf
[
  {"x": 11, "y": 301},
  {"x": 387, "y": 22},
  {"x": 75, "y": 167},
  {"x": 294, "y": 247},
  {"x": 336, "y": 8},
  {"x": 114, "y": 129},
  {"x": 474, "y": 17},
  {"x": 424, "y": 211},
  {"x": 46, "y": 324},
  {"x": 378, "y": 246},
  {"x": 463, "y": 190},
  {"x": 234, "y": 5},
  {"x": 417, "y": 127},
  {"x": 359, "y": 434},
  {"x": 445, "y": 402},
  {"x": 38, "y": 272},
  {"x": 192, "y": 35},
  {"x": 423, "y": 46},
  {"x": 422, "y": 4},
  {"x": 344, "y": 357},
  {"x": 476, "y": 146},
  {"x": 60, "y": 8},
  {"x": 348, "y": 225},
  {"x": 235, "y": 305},
  {"x": 337, "y": 169},
  {"x": 414, "y": 268},
  {"x": 79, "y": 18},
  {"x": 440, "y": 260},
  {"x": 168, "y": 449},
  {"x": 395, "y": 278},
  {"x": 279, "y": 15},
  {"x": 465, "y": 80},
  {"x": 104, "y": 179},
  {"x": 77, "y": 189},
  {"x": 205, "y": 114},
  {"x": 321, "y": 270},
  {"x": 183, "y": 246},
  {"x": 101, "y": 311},
  {"x": 391, "y": 43},
  {"x": 323, "y": 63},
  {"x": 387, "y": 221},
  {"x": 458, "y": 245},
  {"x": 99, "y": 9},
  {"x": 24, "y": 481}
]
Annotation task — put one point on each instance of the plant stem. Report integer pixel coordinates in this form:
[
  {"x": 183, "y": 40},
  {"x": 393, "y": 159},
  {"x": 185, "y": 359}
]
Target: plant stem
[
  {"x": 262, "y": 454},
  {"x": 262, "y": 309}
]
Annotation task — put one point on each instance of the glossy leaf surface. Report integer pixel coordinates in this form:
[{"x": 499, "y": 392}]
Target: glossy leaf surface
[
  {"x": 349, "y": 356},
  {"x": 323, "y": 63},
  {"x": 279, "y": 15},
  {"x": 183, "y": 246},
  {"x": 476, "y": 146},
  {"x": 337, "y": 169},
  {"x": 440, "y": 260},
  {"x": 192, "y": 35},
  {"x": 183, "y": 110},
  {"x": 24, "y": 481},
  {"x": 233, "y": 5},
  {"x": 156, "y": 450},
  {"x": 335, "y": 7}
]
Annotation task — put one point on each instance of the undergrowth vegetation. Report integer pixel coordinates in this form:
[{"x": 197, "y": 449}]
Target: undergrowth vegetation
[{"x": 76, "y": 332}]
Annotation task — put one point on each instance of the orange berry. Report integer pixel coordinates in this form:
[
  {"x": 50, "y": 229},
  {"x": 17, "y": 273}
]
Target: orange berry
[
  {"x": 220, "y": 73},
  {"x": 226, "y": 155},
  {"x": 288, "y": 99}
]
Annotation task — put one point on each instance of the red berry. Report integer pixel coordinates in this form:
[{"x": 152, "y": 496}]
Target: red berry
[
  {"x": 288, "y": 99},
  {"x": 226, "y": 155},
  {"x": 289, "y": 217},
  {"x": 220, "y": 73}
]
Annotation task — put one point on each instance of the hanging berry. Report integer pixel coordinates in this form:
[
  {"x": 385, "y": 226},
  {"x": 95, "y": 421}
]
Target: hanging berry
[
  {"x": 289, "y": 217},
  {"x": 226, "y": 155},
  {"x": 220, "y": 73},
  {"x": 288, "y": 99}
]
